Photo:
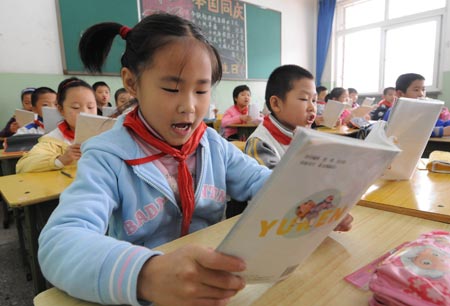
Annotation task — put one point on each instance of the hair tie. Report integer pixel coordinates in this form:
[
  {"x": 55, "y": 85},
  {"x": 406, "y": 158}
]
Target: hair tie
[{"x": 124, "y": 32}]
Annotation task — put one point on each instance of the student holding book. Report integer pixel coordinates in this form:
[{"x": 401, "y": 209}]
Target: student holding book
[
  {"x": 157, "y": 174},
  {"x": 353, "y": 97},
  {"x": 388, "y": 99},
  {"x": 412, "y": 85},
  {"x": 102, "y": 95},
  {"x": 238, "y": 113},
  {"x": 322, "y": 92},
  {"x": 12, "y": 125},
  {"x": 56, "y": 149},
  {"x": 42, "y": 96},
  {"x": 291, "y": 99}
]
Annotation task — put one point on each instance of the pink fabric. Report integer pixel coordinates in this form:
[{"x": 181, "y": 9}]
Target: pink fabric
[
  {"x": 418, "y": 274},
  {"x": 445, "y": 114},
  {"x": 232, "y": 116}
]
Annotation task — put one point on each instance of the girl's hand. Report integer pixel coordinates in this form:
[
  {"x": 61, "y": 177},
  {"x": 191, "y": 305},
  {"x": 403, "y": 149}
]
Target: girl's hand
[
  {"x": 72, "y": 153},
  {"x": 191, "y": 275},
  {"x": 345, "y": 225},
  {"x": 245, "y": 118}
]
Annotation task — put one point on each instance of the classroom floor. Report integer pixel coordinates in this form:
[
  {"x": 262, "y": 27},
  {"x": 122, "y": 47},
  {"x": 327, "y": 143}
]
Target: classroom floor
[{"x": 15, "y": 290}]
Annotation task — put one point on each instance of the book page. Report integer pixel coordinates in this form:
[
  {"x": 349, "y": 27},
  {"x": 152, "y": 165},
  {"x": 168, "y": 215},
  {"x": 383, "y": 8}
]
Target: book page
[
  {"x": 411, "y": 122},
  {"x": 24, "y": 117},
  {"x": 307, "y": 195},
  {"x": 51, "y": 117},
  {"x": 368, "y": 102},
  {"x": 361, "y": 111},
  {"x": 91, "y": 125},
  {"x": 332, "y": 112},
  {"x": 108, "y": 111}
]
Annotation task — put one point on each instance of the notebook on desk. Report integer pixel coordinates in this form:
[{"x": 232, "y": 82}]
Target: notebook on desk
[{"x": 309, "y": 192}]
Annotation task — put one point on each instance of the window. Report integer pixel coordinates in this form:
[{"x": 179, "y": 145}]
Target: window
[{"x": 377, "y": 40}]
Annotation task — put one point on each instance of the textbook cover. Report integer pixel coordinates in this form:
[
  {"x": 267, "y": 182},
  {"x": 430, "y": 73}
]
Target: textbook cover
[
  {"x": 24, "y": 117},
  {"x": 316, "y": 183},
  {"x": 332, "y": 112},
  {"x": 361, "y": 111},
  {"x": 90, "y": 125},
  {"x": 51, "y": 117},
  {"x": 410, "y": 123}
]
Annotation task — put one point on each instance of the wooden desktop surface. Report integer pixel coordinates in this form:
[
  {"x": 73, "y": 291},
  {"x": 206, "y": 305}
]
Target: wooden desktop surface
[
  {"x": 340, "y": 130},
  {"x": 319, "y": 281},
  {"x": 425, "y": 195},
  {"x": 24, "y": 189},
  {"x": 10, "y": 155}
]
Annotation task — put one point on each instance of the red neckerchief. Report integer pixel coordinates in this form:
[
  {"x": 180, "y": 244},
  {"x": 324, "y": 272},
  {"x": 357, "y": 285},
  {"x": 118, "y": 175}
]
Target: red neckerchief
[
  {"x": 66, "y": 131},
  {"x": 38, "y": 123},
  {"x": 135, "y": 126},
  {"x": 243, "y": 111},
  {"x": 275, "y": 131}
]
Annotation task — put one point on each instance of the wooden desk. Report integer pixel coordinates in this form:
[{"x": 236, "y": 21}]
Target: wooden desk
[
  {"x": 425, "y": 195},
  {"x": 319, "y": 281},
  {"x": 8, "y": 161},
  {"x": 37, "y": 194},
  {"x": 340, "y": 130},
  {"x": 244, "y": 129},
  {"x": 436, "y": 143}
]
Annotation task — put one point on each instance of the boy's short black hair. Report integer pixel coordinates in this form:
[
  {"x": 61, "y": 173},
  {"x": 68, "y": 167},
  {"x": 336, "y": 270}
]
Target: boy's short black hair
[
  {"x": 405, "y": 80},
  {"x": 280, "y": 81},
  {"x": 38, "y": 92},
  {"x": 321, "y": 88},
  {"x": 238, "y": 89},
  {"x": 98, "y": 84},
  {"x": 387, "y": 89}
]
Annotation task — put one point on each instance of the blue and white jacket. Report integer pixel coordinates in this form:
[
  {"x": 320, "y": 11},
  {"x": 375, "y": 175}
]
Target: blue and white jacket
[{"x": 140, "y": 209}]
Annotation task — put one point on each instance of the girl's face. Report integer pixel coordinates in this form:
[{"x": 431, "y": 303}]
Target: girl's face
[
  {"x": 343, "y": 97},
  {"x": 175, "y": 90},
  {"x": 299, "y": 106},
  {"x": 102, "y": 95},
  {"x": 78, "y": 99},
  {"x": 243, "y": 99}
]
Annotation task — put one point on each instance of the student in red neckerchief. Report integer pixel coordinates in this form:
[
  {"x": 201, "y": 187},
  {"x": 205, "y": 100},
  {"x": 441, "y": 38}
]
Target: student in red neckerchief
[
  {"x": 56, "y": 149},
  {"x": 291, "y": 99},
  {"x": 238, "y": 113}
]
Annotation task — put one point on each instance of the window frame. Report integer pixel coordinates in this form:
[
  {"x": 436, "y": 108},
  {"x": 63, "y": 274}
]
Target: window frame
[{"x": 440, "y": 15}]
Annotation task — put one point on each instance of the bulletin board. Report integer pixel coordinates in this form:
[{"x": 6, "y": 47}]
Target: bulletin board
[{"x": 248, "y": 37}]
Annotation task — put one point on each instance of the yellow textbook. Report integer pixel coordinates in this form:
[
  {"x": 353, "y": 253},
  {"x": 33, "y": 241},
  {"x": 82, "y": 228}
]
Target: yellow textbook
[{"x": 316, "y": 183}]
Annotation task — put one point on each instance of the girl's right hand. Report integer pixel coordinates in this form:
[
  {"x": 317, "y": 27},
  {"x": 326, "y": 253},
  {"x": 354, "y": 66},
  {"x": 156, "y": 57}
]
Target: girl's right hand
[
  {"x": 73, "y": 152},
  {"x": 245, "y": 118},
  {"x": 191, "y": 275}
]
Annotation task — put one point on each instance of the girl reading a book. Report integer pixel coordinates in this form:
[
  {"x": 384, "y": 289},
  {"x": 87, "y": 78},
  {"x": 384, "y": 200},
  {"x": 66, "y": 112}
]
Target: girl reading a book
[{"x": 56, "y": 149}]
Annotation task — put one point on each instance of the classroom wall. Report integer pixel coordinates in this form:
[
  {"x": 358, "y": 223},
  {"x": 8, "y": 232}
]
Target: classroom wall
[{"x": 31, "y": 56}]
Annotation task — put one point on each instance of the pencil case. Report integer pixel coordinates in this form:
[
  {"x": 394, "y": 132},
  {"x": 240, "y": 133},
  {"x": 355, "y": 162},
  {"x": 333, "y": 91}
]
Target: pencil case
[
  {"x": 439, "y": 161},
  {"x": 418, "y": 274}
]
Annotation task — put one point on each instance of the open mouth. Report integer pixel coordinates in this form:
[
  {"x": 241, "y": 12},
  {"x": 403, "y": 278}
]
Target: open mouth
[
  {"x": 311, "y": 118},
  {"x": 182, "y": 126}
]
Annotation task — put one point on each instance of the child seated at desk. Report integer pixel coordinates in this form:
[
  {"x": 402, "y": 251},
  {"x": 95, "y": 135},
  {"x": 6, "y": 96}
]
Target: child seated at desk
[
  {"x": 412, "y": 85},
  {"x": 56, "y": 149},
  {"x": 12, "y": 125},
  {"x": 385, "y": 104},
  {"x": 238, "y": 113},
  {"x": 42, "y": 96}
]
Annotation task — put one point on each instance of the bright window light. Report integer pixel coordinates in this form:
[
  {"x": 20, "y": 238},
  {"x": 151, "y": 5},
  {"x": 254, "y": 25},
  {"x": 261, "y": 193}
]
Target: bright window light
[
  {"x": 399, "y": 8},
  {"x": 364, "y": 13}
]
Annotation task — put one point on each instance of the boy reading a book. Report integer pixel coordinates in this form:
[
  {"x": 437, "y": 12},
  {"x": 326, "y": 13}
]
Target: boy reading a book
[
  {"x": 291, "y": 99},
  {"x": 412, "y": 85},
  {"x": 12, "y": 125}
]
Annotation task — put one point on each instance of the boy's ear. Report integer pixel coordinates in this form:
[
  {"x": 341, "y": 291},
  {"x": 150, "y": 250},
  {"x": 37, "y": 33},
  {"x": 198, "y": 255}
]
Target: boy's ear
[
  {"x": 129, "y": 81},
  {"x": 399, "y": 93},
  {"x": 275, "y": 103}
]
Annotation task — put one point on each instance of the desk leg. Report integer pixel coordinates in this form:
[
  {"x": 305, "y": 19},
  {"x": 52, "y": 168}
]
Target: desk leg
[
  {"x": 8, "y": 166},
  {"x": 35, "y": 218}
]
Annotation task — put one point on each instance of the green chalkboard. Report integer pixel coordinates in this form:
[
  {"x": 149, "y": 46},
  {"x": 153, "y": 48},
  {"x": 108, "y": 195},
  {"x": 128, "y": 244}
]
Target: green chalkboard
[
  {"x": 75, "y": 16},
  {"x": 263, "y": 41}
]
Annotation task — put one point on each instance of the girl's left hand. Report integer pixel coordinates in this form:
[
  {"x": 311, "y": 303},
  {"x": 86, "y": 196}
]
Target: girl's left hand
[
  {"x": 72, "y": 153},
  {"x": 345, "y": 225}
]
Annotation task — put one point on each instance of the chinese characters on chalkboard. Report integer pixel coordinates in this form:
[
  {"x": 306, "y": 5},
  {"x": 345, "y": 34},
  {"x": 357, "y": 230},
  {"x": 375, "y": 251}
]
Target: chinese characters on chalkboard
[{"x": 222, "y": 21}]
